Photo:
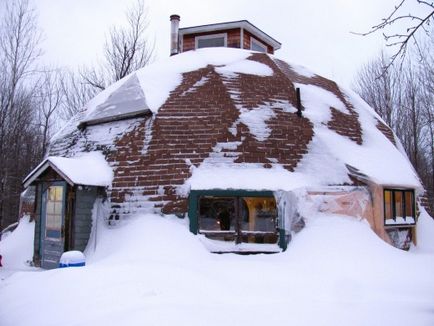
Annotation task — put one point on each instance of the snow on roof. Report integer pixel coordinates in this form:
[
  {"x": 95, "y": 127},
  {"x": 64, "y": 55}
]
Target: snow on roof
[
  {"x": 127, "y": 100},
  {"x": 329, "y": 153},
  {"x": 88, "y": 169},
  {"x": 149, "y": 87}
]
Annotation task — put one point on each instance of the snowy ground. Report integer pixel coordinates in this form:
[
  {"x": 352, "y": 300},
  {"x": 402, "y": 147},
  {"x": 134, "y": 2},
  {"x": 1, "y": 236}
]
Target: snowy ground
[{"x": 152, "y": 271}]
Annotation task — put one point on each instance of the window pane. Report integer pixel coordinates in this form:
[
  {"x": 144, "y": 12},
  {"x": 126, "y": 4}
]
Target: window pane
[
  {"x": 399, "y": 201},
  {"x": 216, "y": 214},
  {"x": 53, "y": 222},
  {"x": 258, "y": 47},
  {"x": 211, "y": 42},
  {"x": 59, "y": 193},
  {"x": 258, "y": 219},
  {"x": 388, "y": 212},
  {"x": 51, "y": 193},
  {"x": 409, "y": 209},
  {"x": 50, "y": 207}
]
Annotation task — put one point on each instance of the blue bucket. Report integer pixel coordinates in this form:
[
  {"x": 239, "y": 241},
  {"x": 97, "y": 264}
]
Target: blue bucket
[{"x": 72, "y": 258}]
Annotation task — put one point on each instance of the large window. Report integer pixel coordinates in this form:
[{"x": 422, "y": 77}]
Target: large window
[
  {"x": 236, "y": 218},
  {"x": 399, "y": 207},
  {"x": 209, "y": 41}
]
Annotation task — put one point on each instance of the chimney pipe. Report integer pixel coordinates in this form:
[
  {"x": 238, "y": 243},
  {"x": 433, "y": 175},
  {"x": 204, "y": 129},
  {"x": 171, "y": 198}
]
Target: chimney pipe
[
  {"x": 299, "y": 106},
  {"x": 174, "y": 27}
]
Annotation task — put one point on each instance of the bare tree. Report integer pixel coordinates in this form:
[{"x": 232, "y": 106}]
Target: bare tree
[
  {"x": 380, "y": 90},
  {"x": 404, "y": 98},
  {"x": 19, "y": 51},
  {"x": 409, "y": 121},
  {"x": 426, "y": 75},
  {"x": 410, "y": 25},
  {"x": 75, "y": 94},
  {"x": 126, "y": 50},
  {"x": 48, "y": 100}
]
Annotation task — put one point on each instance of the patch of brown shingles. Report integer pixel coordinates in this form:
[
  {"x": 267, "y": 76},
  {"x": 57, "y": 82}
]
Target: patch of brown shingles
[
  {"x": 184, "y": 132},
  {"x": 290, "y": 134},
  {"x": 191, "y": 122},
  {"x": 386, "y": 131},
  {"x": 347, "y": 125}
]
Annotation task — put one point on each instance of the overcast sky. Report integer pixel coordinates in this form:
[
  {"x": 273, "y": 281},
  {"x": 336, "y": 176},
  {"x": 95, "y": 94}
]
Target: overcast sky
[{"x": 315, "y": 34}]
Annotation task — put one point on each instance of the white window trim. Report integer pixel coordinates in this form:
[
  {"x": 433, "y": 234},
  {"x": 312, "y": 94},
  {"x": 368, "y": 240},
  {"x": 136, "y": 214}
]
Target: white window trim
[
  {"x": 210, "y": 36},
  {"x": 258, "y": 43}
]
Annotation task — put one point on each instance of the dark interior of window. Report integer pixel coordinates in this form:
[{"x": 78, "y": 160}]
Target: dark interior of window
[{"x": 239, "y": 219}]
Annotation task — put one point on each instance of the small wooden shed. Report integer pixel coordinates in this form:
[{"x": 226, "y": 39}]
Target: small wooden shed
[{"x": 66, "y": 190}]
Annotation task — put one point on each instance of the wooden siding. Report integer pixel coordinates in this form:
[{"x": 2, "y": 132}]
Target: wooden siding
[
  {"x": 233, "y": 39},
  {"x": 37, "y": 237},
  {"x": 247, "y": 39},
  {"x": 82, "y": 220}
]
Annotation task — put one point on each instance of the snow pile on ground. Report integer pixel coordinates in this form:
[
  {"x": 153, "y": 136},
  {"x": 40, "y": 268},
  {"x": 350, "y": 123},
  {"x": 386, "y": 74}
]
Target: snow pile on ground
[
  {"x": 17, "y": 248},
  {"x": 152, "y": 271},
  {"x": 425, "y": 232}
]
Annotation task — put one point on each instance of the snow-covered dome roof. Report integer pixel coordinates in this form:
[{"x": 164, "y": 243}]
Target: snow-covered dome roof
[{"x": 251, "y": 97}]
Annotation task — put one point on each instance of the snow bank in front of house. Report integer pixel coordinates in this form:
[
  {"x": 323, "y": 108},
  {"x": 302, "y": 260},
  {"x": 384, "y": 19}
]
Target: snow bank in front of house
[
  {"x": 85, "y": 169},
  {"x": 425, "y": 232},
  {"x": 152, "y": 271},
  {"x": 17, "y": 248}
]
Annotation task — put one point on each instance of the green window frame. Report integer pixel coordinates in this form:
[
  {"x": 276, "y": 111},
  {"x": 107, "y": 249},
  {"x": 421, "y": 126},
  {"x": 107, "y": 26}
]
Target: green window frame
[{"x": 195, "y": 196}]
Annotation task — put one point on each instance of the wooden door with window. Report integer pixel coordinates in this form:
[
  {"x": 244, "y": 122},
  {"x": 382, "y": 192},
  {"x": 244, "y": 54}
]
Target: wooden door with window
[{"x": 52, "y": 224}]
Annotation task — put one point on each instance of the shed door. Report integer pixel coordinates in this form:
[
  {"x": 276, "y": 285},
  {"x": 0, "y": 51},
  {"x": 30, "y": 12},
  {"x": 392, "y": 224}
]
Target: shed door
[{"x": 53, "y": 225}]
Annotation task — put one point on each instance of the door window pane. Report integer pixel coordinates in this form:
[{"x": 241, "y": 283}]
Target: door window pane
[{"x": 53, "y": 212}]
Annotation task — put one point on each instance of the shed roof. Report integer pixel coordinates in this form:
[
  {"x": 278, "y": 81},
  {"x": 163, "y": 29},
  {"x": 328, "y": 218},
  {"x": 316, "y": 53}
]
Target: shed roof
[{"x": 88, "y": 169}]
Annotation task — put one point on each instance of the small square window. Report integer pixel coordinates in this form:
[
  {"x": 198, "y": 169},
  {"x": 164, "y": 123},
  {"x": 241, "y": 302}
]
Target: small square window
[{"x": 399, "y": 207}]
